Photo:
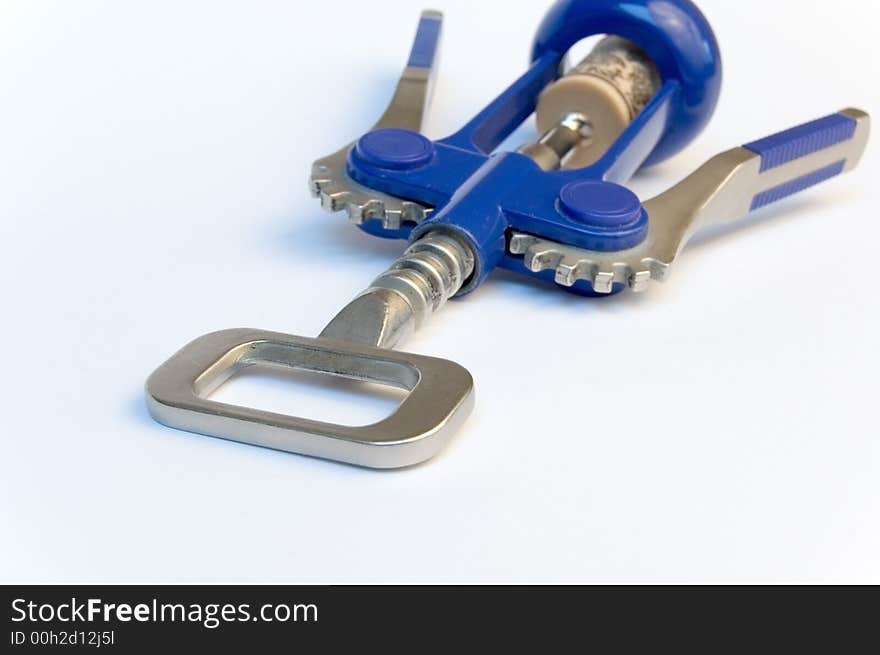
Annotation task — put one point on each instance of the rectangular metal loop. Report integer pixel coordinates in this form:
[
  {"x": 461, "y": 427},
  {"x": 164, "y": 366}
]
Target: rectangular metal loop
[{"x": 440, "y": 398}]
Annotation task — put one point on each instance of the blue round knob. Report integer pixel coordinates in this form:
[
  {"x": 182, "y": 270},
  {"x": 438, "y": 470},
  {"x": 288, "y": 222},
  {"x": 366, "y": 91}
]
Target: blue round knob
[
  {"x": 600, "y": 204},
  {"x": 394, "y": 148}
]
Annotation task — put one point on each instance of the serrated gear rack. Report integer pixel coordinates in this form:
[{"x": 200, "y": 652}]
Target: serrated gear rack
[{"x": 556, "y": 209}]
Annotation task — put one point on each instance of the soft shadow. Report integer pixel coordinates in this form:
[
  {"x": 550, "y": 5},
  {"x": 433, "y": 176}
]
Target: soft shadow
[
  {"x": 329, "y": 240},
  {"x": 535, "y": 293},
  {"x": 788, "y": 210},
  {"x": 139, "y": 411}
]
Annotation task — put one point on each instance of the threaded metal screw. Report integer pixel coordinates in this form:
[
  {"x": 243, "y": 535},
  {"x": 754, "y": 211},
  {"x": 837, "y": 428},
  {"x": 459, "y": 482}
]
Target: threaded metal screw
[{"x": 429, "y": 272}]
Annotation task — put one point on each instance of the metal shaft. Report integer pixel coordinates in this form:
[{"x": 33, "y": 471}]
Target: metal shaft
[
  {"x": 429, "y": 272},
  {"x": 550, "y": 152},
  {"x": 608, "y": 88}
]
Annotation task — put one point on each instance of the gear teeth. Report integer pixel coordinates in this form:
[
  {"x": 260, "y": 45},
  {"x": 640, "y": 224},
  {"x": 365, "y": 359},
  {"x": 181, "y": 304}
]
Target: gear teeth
[
  {"x": 603, "y": 282},
  {"x": 317, "y": 185},
  {"x": 659, "y": 270},
  {"x": 392, "y": 220},
  {"x": 338, "y": 192},
  {"x": 334, "y": 201},
  {"x": 638, "y": 281},
  {"x": 571, "y": 264},
  {"x": 413, "y": 212},
  {"x": 541, "y": 260},
  {"x": 519, "y": 243},
  {"x": 569, "y": 271},
  {"x": 358, "y": 213}
]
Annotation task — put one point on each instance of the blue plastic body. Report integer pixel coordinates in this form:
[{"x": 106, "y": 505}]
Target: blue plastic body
[{"x": 481, "y": 195}]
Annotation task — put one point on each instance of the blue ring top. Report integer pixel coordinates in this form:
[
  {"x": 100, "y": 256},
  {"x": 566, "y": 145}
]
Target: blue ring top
[{"x": 674, "y": 34}]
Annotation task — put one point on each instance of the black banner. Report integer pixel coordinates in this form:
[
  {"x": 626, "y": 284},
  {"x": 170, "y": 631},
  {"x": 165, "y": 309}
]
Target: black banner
[{"x": 147, "y": 619}]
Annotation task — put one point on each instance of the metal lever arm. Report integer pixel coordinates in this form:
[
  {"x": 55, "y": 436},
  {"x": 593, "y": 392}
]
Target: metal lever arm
[
  {"x": 742, "y": 180},
  {"x": 330, "y": 181},
  {"x": 725, "y": 188},
  {"x": 409, "y": 105}
]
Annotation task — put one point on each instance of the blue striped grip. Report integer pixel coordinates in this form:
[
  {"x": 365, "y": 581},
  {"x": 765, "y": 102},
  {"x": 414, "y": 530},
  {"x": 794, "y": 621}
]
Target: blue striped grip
[
  {"x": 424, "y": 47},
  {"x": 797, "y": 185},
  {"x": 803, "y": 140},
  {"x": 797, "y": 143}
]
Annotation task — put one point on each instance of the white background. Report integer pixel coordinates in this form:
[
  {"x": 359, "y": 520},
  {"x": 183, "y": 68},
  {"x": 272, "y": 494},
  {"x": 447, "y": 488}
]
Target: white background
[{"x": 153, "y": 166}]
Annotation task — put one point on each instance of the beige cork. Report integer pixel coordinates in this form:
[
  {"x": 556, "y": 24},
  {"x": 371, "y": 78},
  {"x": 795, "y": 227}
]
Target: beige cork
[{"x": 608, "y": 88}]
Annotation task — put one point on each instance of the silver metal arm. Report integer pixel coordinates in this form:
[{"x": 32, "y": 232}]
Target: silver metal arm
[
  {"x": 330, "y": 181},
  {"x": 725, "y": 188},
  {"x": 412, "y": 97}
]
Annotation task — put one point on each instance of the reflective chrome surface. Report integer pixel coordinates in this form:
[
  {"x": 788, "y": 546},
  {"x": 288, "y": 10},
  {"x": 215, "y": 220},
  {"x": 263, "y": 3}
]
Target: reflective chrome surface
[
  {"x": 431, "y": 271},
  {"x": 441, "y": 397}
]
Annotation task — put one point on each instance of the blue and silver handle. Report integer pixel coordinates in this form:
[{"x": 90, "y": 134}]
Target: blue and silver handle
[
  {"x": 726, "y": 188},
  {"x": 745, "y": 179},
  {"x": 805, "y": 155},
  {"x": 759, "y": 173},
  {"x": 413, "y": 94},
  {"x": 329, "y": 179}
]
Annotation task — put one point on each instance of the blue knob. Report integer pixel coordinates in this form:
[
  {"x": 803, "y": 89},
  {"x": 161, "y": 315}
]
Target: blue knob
[
  {"x": 612, "y": 214},
  {"x": 394, "y": 148},
  {"x": 601, "y": 204}
]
